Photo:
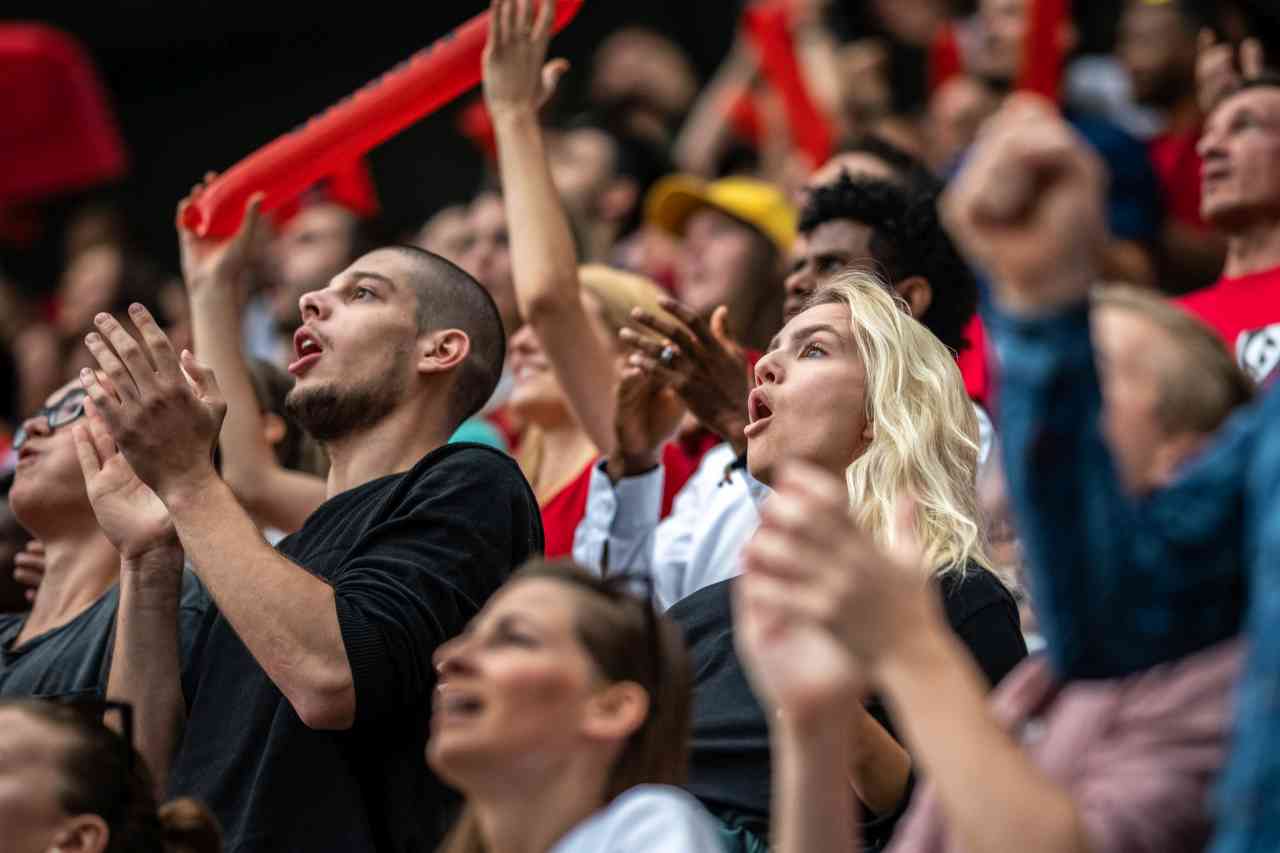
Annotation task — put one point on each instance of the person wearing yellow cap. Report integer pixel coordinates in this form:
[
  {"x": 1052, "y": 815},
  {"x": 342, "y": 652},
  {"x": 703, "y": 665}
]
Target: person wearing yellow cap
[{"x": 736, "y": 233}]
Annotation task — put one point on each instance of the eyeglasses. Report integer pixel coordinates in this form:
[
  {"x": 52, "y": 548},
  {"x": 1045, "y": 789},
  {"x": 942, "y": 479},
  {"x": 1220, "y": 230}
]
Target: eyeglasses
[{"x": 69, "y": 408}]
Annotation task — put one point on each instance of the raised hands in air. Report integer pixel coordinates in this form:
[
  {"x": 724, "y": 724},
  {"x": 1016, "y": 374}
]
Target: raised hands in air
[
  {"x": 515, "y": 76},
  {"x": 1028, "y": 208}
]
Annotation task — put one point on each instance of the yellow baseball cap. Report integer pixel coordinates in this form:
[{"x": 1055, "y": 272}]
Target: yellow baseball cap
[{"x": 760, "y": 204}]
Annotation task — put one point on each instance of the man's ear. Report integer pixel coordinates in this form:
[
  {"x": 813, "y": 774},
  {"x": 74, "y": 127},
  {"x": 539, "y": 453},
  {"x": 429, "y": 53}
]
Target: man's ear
[
  {"x": 85, "y": 833},
  {"x": 442, "y": 350},
  {"x": 616, "y": 712},
  {"x": 618, "y": 199},
  {"x": 918, "y": 294}
]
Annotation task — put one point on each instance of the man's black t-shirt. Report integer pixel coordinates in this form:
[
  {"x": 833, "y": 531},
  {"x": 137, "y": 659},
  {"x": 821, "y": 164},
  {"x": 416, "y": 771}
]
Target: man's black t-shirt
[
  {"x": 729, "y": 759},
  {"x": 411, "y": 557},
  {"x": 74, "y": 660}
]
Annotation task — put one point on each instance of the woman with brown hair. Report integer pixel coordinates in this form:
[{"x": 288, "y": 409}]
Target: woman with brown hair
[
  {"x": 562, "y": 715},
  {"x": 67, "y": 782}
]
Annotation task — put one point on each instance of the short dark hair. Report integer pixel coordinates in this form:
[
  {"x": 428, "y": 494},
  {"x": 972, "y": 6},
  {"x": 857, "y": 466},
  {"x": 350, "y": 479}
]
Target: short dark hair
[
  {"x": 909, "y": 170},
  {"x": 907, "y": 239},
  {"x": 449, "y": 298}
]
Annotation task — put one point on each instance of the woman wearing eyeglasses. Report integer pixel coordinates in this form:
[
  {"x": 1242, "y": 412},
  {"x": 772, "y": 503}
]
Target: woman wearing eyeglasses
[
  {"x": 562, "y": 715},
  {"x": 62, "y": 646},
  {"x": 69, "y": 783}
]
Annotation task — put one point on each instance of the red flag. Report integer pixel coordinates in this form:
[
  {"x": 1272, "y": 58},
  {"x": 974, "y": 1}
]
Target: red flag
[
  {"x": 768, "y": 25},
  {"x": 1042, "y": 58}
]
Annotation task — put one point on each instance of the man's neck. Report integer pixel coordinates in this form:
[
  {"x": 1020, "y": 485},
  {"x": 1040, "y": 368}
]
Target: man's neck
[
  {"x": 1254, "y": 249},
  {"x": 392, "y": 446},
  {"x": 531, "y": 819},
  {"x": 79, "y": 566}
]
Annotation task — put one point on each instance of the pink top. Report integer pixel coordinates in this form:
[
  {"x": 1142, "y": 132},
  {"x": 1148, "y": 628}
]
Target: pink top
[{"x": 1137, "y": 755}]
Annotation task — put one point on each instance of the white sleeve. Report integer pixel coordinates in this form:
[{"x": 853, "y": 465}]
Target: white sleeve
[
  {"x": 648, "y": 819},
  {"x": 624, "y": 519}
]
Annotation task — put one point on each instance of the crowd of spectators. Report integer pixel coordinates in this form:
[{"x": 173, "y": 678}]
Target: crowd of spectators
[{"x": 865, "y": 448}]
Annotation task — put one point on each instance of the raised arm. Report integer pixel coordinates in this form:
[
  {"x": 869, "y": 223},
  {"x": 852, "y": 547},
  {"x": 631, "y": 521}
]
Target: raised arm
[
  {"x": 165, "y": 417},
  {"x": 543, "y": 258},
  {"x": 1119, "y": 584},
  {"x": 213, "y": 272},
  {"x": 145, "y": 666}
]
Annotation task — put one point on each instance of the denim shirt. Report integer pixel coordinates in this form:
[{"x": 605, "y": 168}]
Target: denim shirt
[{"x": 1122, "y": 584}]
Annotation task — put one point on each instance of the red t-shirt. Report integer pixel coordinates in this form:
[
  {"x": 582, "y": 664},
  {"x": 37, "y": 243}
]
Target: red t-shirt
[
  {"x": 1245, "y": 311},
  {"x": 562, "y": 514},
  {"x": 974, "y": 363},
  {"x": 1177, "y": 166}
]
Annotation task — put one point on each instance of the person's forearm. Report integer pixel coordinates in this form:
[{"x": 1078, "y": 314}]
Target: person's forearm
[
  {"x": 812, "y": 805},
  {"x": 545, "y": 270},
  {"x": 878, "y": 765},
  {"x": 286, "y": 617},
  {"x": 994, "y": 797},
  {"x": 1093, "y": 552},
  {"x": 281, "y": 498},
  {"x": 145, "y": 668}
]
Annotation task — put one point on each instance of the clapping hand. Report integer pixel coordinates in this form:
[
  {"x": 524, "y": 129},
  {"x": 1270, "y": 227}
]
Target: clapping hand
[
  {"x": 699, "y": 361},
  {"x": 129, "y": 513},
  {"x": 163, "y": 413},
  {"x": 647, "y": 416},
  {"x": 814, "y": 566}
]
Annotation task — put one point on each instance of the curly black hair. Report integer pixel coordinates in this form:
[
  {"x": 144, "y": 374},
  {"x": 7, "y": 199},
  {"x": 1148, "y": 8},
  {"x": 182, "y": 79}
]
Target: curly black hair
[
  {"x": 907, "y": 240},
  {"x": 909, "y": 170}
]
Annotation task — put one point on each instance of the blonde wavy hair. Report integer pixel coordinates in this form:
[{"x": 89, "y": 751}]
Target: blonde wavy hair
[{"x": 924, "y": 442}]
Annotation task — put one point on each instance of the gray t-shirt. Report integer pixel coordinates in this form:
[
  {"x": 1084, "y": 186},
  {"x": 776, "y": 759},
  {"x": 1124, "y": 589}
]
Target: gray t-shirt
[
  {"x": 646, "y": 819},
  {"x": 75, "y": 659}
]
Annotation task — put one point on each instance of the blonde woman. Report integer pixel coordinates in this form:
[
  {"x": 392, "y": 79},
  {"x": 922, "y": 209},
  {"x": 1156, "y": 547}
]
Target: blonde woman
[{"x": 856, "y": 387}]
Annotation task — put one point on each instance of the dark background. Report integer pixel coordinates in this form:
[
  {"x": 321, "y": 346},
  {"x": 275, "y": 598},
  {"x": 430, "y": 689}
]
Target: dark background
[{"x": 197, "y": 85}]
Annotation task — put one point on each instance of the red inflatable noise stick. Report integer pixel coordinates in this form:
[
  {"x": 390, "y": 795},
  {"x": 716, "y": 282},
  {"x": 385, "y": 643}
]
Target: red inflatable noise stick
[{"x": 289, "y": 164}]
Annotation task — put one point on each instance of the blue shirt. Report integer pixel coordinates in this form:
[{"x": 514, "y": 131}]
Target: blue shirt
[{"x": 1122, "y": 584}]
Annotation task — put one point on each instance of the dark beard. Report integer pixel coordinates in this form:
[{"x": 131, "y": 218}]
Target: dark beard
[{"x": 329, "y": 416}]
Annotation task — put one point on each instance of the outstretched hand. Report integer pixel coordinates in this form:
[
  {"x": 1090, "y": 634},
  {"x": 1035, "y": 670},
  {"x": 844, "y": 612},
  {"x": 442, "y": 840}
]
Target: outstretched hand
[
  {"x": 1029, "y": 208},
  {"x": 163, "y": 413},
  {"x": 130, "y": 514},
  {"x": 515, "y": 77},
  {"x": 705, "y": 366},
  {"x": 814, "y": 565},
  {"x": 218, "y": 264}
]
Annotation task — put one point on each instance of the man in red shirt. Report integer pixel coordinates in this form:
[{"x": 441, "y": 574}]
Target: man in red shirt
[
  {"x": 1241, "y": 197},
  {"x": 1157, "y": 46}
]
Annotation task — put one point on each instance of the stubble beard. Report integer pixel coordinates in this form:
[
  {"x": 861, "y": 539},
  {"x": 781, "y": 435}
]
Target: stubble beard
[{"x": 330, "y": 414}]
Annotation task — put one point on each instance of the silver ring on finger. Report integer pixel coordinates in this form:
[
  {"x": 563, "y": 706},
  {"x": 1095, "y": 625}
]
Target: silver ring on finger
[{"x": 668, "y": 356}]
